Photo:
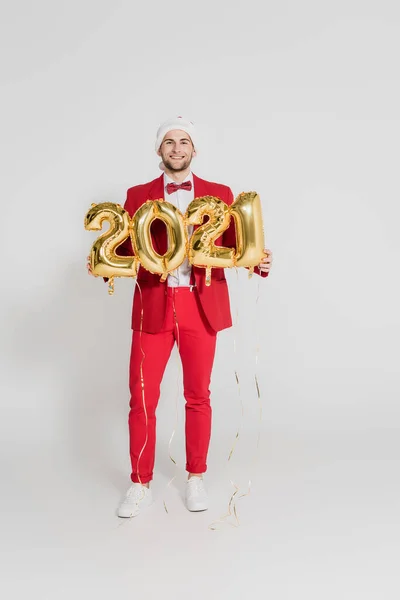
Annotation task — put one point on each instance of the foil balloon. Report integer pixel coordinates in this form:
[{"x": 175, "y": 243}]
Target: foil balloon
[
  {"x": 246, "y": 210},
  {"x": 203, "y": 252},
  {"x": 104, "y": 261},
  {"x": 142, "y": 242}
]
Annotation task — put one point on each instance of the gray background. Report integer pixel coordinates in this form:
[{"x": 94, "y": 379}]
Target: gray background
[{"x": 299, "y": 101}]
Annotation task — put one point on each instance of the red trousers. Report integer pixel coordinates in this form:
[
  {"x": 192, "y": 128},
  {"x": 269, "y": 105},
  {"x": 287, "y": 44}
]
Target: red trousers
[{"x": 186, "y": 325}]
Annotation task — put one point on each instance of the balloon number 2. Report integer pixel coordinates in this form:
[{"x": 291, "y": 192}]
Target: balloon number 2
[
  {"x": 103, "y": 259},
  {"x": 201, "y": 248}
]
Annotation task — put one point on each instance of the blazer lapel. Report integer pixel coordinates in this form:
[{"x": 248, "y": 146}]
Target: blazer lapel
[
  {"x": 199, "y": 187},
  {"x": 156, "y": 192}
]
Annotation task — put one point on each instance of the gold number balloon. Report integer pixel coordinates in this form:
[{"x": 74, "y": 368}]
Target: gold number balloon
[
  {"x": 142, "y": 242},
  {"x": 202, "y": 250},
  {"x": 103, "y": 259},
  {"x": 246, "y": 211}
]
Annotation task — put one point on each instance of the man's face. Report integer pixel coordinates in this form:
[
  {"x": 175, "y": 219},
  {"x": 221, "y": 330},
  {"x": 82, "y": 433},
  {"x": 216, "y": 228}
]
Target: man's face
[{"x": 177, "y": 150}]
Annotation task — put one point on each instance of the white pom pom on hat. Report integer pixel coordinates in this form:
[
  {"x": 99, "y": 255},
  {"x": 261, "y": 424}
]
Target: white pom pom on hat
[{"x": 176, "y": 123}]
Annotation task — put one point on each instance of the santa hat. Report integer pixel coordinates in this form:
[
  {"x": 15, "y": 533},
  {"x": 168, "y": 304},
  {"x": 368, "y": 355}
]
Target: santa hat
[{"x": 176, "y": 123}]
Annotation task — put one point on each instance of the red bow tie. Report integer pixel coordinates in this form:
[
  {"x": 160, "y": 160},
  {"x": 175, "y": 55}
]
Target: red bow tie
[{"x": 172, "y": 187}]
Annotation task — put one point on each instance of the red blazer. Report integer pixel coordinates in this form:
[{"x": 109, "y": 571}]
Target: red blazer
[{"x": 214, "y": 299}]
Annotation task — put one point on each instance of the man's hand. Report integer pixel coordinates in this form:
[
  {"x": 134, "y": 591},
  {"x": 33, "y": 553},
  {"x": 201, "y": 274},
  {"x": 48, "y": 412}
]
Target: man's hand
[{"x": 266, "y": 262}]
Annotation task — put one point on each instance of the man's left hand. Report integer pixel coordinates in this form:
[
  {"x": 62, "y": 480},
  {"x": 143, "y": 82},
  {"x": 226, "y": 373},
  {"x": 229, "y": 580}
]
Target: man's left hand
[{"x": 266, "y": 262}]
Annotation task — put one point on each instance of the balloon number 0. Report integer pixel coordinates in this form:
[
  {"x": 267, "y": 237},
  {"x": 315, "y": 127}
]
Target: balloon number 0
[
  {"x": 142, "y": 242},
  {"x": 200, "y": 249}
]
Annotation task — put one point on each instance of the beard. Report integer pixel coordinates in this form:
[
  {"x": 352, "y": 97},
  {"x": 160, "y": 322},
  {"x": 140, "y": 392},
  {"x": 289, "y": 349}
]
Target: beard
[{"x": 171, "y": 166}]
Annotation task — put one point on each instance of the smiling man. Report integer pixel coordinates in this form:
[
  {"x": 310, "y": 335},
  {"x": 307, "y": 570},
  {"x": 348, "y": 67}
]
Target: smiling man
[
  {"x": 180, "y": 310},
  {"x": 176, "y": 151}
]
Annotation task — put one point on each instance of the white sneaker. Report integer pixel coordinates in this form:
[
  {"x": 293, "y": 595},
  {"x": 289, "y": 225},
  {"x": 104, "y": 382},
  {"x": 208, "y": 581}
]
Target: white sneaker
[
  {"x": 137, "y": 497},
  {"x": 196, "y": 495}
]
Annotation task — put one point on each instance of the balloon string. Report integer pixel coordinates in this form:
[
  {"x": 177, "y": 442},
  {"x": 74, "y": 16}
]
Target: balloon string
[
  {"x": 176, "y": 400},
  {"x": 260, "y": 408},
  {"x": 232, "y": 510},
  {"x": 257, "y": 386},
  {"x": 111, "y": 286}
]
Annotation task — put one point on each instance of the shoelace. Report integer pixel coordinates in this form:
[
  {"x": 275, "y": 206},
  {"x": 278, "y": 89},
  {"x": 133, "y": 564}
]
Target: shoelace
[
  {"x": 136, "y": 493},
  {"x": 195, "y": 484}
]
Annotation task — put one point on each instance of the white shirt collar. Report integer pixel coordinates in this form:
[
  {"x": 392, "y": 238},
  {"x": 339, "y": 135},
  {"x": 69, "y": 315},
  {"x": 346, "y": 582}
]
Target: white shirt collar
[{"x": 168, "y": 179}]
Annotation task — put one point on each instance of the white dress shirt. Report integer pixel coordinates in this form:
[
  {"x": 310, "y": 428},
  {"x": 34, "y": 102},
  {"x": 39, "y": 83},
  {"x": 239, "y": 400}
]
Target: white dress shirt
[{"x": 180, "y": 277}]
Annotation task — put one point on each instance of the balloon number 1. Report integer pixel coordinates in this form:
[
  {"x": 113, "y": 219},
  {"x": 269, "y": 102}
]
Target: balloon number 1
[
  {"x": 246, "y": 210},
  {"x": 201, "y": 249}
]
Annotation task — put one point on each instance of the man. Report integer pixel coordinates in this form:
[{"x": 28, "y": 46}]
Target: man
[{"x": 181, "y": 309}]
